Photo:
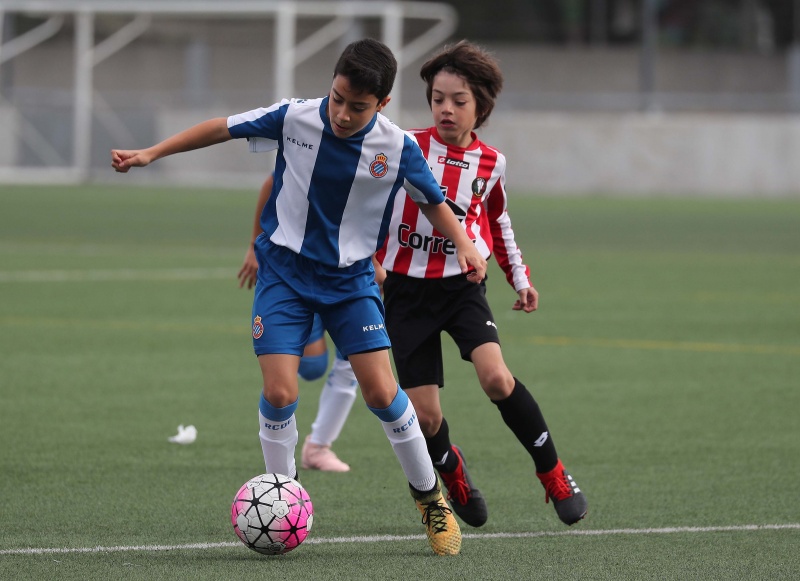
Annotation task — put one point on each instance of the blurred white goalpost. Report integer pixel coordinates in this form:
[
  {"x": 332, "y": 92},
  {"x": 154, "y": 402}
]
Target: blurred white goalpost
[{"x": 330, "y": 20}]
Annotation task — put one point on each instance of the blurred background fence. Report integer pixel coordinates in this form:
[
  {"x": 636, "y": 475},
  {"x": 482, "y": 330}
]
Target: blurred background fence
[{"x": 644, "y": 97}]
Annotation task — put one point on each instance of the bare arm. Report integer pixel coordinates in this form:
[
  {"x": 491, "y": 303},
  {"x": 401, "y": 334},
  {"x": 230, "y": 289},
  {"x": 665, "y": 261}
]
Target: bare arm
[
  {"x": 380, "y": 272},
  {"x": 247, "y": 274},
  {"x": 443, "y": 219},
  {"x": 201, "y": 135}
]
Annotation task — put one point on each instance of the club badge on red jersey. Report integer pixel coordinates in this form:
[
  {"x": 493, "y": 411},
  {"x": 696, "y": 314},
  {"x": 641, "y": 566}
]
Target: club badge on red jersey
[{"x": 478, "y": 187}]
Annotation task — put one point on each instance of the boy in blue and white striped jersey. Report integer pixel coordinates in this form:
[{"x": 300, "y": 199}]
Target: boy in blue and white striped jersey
[{"x": 340, "y": 163}]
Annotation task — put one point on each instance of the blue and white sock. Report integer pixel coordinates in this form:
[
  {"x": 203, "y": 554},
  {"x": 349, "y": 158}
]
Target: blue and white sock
[
  {"x": 335, "y": 402},
  {"x": 400, "y": 423},
  {"x": 278, "y": 435}
]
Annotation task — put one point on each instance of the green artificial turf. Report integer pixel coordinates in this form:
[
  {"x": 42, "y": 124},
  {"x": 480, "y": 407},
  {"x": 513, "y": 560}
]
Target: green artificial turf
[{"x": 665, "y": 356}]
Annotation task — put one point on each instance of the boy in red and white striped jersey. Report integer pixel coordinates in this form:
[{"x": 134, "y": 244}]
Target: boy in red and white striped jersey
[{"x": 425, "y": 292}]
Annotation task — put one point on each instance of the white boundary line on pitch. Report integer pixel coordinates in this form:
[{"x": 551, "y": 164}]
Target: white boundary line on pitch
[
  {"x": 390, "y": 538},
  {"x": 99, "y": 275}
]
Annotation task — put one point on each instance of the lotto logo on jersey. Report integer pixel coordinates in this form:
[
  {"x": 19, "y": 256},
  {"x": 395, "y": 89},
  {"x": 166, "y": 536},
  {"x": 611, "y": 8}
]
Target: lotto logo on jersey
[
  {"x": 380, "y": 166},
  {"x": 456, "y": 162},
  {"x": 258, "y": 328}
]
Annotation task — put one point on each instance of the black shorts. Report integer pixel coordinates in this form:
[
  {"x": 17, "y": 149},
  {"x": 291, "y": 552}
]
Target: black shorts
[{"x": 418, "y": 310}]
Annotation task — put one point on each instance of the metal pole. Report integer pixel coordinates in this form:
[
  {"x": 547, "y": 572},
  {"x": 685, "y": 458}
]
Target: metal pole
[
  {"x": 393, "y": 38},
  {"x": 647, "y": 62},
  {"x": 793, "y": 60},
  {"x": 285, "y": 39},
  {"x": 82, "y": 109},
  {"x": 6, "y": 30},
  {"x": 598, "y": 12}
]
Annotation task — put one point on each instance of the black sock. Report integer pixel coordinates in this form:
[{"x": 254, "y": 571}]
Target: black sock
[
  {"x": 439, "y": 447},
  {"x": 521, "y": 413}
]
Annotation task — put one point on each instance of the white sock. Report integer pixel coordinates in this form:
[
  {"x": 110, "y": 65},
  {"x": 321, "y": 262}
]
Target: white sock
[
  {"x": 335, "y": 402},
  {"x": 278, "y": 440},
  {"x": 400, "y": 423}
]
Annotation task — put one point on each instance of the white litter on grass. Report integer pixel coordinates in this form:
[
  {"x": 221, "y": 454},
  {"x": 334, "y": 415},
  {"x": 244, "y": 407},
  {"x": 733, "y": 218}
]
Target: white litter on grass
[{"x": 185, "y": 435}]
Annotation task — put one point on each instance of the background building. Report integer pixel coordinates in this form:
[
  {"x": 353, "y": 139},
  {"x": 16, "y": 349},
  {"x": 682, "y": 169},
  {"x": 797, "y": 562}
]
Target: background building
[{"x": 601, "y": 96}]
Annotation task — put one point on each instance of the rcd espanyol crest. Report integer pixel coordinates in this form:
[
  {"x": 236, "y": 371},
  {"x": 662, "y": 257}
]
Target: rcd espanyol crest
[
  {"x": 258, "y": 327},
  {"x": 379, "y": 167}
]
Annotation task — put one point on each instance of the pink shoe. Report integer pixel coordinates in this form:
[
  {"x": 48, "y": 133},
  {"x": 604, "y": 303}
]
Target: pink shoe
[{"x": 317, "y": 457}]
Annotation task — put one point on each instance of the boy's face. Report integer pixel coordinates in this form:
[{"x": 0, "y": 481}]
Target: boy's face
[
  {"x": 349, "y": 111},
  {"x": 454, "y": 109}
]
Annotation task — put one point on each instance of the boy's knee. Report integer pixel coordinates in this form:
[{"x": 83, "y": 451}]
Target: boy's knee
[
  {"x": 497, "y": 384},
  {"x": 429, "y": 421}
]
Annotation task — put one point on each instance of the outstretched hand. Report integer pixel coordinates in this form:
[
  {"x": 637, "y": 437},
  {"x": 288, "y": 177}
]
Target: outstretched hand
[
  {"x": 201, "y": 135},
  {"x": 123, "y": 159},
  {"x": 528, "y": 300}
]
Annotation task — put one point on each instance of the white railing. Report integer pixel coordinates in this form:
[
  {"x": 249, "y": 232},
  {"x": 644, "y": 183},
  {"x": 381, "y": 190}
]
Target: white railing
[{"x": 287, "y": 50}]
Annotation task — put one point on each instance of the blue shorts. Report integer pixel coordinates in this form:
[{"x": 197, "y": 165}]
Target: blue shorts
[
  {"x": 291, "y": 288},
  {"x": 317, "y": 329},
  {"x": 318, "y": 332}
]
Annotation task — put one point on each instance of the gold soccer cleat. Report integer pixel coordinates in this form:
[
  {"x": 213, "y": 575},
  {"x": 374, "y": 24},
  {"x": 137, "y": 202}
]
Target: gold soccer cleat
[{"x": 444, "y": 534}]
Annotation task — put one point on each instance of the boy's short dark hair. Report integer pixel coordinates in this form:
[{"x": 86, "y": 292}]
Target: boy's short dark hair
[
  {"x": 370, "y": 67},
  {"x": 476, "y": 66}
]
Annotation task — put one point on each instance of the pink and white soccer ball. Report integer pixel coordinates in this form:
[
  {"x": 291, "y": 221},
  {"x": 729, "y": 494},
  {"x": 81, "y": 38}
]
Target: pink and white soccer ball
[{"x": 272, "y": 514}]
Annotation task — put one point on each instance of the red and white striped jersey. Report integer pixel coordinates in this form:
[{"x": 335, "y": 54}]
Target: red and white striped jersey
[{"x": 473, "y": 183}]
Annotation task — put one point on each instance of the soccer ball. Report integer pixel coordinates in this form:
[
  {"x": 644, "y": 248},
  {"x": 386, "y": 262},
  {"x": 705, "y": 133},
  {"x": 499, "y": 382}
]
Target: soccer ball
[{"x": 272, "y": 514}]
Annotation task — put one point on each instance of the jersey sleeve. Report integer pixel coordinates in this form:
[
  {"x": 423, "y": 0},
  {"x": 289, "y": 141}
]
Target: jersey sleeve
[
  {"x": 419, "y": 182},
  {"x": 262, "y": 127},
  {"x": 504, "y": 245}
]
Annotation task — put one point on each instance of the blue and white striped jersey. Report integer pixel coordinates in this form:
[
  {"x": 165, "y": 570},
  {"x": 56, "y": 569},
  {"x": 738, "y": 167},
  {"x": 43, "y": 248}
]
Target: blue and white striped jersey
[{"x": 332, "y": 198}]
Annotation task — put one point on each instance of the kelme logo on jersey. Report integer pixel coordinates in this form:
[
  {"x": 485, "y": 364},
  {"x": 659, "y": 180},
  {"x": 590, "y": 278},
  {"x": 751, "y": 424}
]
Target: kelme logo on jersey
[
  {"x": 455, "y": 162},
  {"x": 258, "y": 328},
  {"x": 299, "y": 143},
  {"x": 478, "y": 187},
  {"x": 380, "y": 166}
]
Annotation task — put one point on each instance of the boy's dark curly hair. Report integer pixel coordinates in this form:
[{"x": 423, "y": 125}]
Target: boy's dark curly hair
[{"x": 473, "y": 64}]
